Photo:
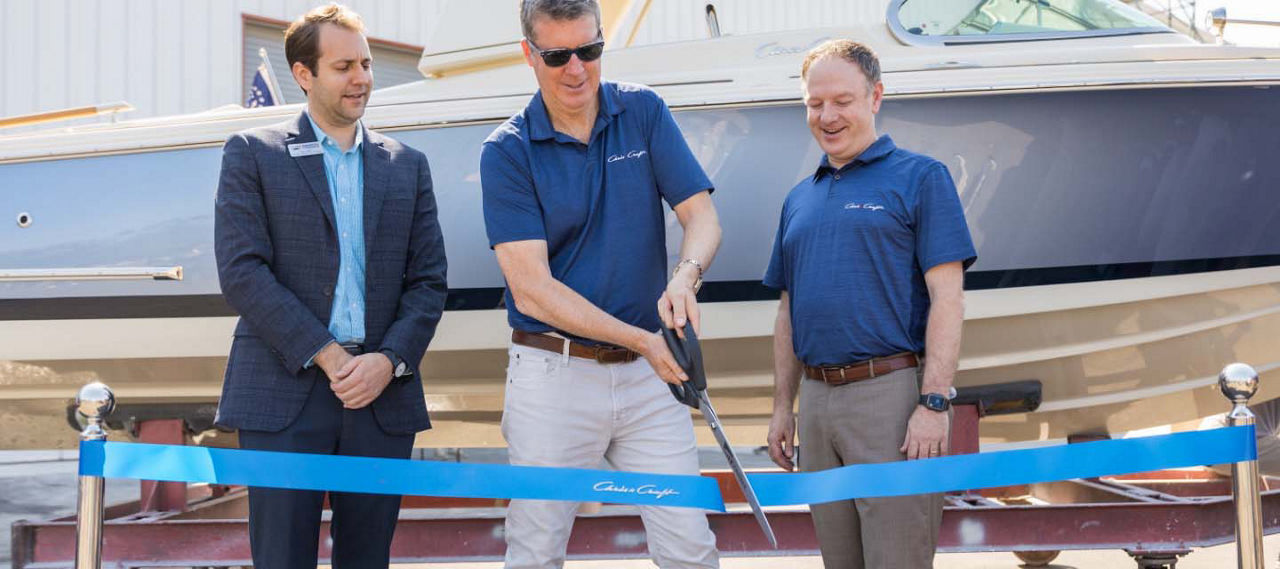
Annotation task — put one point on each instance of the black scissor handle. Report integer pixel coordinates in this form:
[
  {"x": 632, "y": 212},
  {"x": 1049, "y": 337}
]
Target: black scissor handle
[{"x": 688, "y": 355}]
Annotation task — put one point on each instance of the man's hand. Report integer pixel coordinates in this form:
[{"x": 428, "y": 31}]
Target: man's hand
[
  {"x": 331, "y": 359},
  {"x": 362, "y": 380},
  {"x": 679, "y": 304},
  {"x": 654, "y": 349},
  {"x": 782, "y": 438},
  {"x": 928, "y": 434}
]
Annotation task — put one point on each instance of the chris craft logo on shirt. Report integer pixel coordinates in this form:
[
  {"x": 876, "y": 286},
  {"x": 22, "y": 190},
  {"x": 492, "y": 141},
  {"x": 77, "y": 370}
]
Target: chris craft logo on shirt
[
  {"x": 643, "y": 490},
  {"x": 632, "y": 154},
  {"x": 867, "y": 206}
]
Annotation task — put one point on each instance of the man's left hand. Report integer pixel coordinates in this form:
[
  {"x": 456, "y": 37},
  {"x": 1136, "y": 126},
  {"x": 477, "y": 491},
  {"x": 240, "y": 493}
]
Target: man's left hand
[
  {"x": 928, "y": 434},
  {"x": 362, "y": 380},
  {"x": 679, "y": 304}
]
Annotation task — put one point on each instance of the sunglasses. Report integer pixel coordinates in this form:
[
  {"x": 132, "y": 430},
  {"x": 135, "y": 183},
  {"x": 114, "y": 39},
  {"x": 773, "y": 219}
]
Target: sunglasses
[{"x": 560, "y": 56}]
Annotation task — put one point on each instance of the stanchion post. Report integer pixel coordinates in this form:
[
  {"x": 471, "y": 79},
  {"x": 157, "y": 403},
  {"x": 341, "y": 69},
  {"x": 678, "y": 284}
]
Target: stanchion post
[
  {"x": 94, "y": 402},
  {"x": 1239, "y": 382}
]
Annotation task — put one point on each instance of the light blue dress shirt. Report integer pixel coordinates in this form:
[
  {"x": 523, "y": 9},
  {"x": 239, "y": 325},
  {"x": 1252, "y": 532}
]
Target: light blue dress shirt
[{"x": 345, "y": 174}]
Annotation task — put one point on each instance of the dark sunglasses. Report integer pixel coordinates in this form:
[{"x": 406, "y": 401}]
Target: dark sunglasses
[{"x": 559, "y": 57}]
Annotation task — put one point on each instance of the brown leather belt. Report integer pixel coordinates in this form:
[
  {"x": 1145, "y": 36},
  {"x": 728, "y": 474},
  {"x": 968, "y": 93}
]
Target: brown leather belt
[
  {"x": 865, "y": 369},
  {"x": 605, "y": 354}
]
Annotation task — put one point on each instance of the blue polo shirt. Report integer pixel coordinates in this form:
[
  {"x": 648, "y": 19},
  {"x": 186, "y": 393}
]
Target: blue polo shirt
[
  {"x": 852, "y": 248},
  {"x": 597, "y": 205}
]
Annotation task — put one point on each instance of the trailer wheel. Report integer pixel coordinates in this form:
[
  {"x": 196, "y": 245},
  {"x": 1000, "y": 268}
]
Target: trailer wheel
[
  {"x": 1157, "y": 559},
  {"x": 1036, "y": 558}
]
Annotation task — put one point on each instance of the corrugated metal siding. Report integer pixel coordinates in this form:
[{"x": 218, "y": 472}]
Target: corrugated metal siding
[
  {"x": 162, "y": 56},
  {"x": 180, "y": 56}
]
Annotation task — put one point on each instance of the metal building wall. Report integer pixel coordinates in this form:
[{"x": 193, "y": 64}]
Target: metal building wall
[
  {"x": 162, "y": 56},
  {"x": 179, "y": 56}
]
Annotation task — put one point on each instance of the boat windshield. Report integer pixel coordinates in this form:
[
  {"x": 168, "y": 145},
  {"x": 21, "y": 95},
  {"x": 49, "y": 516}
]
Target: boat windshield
[{"x": 1011, "y": 20}]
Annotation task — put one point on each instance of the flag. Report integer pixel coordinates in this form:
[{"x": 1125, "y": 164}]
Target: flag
[{"x": 263, "y": 91}]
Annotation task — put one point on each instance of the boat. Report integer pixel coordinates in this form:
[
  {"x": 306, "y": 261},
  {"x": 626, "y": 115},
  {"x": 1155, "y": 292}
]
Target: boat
[{"x": 1119, "y": 180}]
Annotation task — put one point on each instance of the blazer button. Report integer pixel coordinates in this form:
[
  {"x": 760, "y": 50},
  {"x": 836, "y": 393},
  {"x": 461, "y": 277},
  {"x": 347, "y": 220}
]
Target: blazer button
[{"x": 328, "y": 291}]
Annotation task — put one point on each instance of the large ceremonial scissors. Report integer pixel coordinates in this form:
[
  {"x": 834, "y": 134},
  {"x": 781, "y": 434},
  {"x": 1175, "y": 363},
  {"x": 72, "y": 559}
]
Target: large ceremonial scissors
[{"x": 688, "y": 355}]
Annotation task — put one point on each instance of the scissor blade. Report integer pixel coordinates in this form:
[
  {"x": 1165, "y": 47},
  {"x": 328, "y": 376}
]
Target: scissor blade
[{"x": 709, "y": 413}]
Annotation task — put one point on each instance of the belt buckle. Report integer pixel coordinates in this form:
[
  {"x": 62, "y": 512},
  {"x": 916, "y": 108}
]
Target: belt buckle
[
  {"x": 842, "y": 376},
  {"x": 599, "y": 354}
]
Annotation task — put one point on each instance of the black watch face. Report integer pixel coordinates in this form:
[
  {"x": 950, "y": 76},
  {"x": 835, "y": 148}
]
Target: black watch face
[{"x": 934, "y": 402}]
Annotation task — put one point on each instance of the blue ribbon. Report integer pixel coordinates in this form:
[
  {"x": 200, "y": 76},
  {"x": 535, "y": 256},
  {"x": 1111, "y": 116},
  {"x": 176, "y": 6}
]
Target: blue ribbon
[
  {"x": 392, "y": 476},
  {"x": 1007, "y": 468}
]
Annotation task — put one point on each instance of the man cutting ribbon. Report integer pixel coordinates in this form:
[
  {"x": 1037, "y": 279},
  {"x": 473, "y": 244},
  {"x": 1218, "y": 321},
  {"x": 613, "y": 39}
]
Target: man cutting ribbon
[{"x": 573, "y": 204}]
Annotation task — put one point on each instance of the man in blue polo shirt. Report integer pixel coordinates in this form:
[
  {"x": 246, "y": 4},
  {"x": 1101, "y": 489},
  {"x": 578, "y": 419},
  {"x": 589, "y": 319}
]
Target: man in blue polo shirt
[
  {"x": 573, "y": 191},
  {"x": 869, "y": 257}
]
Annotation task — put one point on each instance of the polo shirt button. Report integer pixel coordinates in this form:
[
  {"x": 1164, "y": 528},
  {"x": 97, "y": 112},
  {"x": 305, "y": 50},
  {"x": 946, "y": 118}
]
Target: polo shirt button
[
  {"x": 837, "y": 176},
  {"x": 328, "y": 291}
]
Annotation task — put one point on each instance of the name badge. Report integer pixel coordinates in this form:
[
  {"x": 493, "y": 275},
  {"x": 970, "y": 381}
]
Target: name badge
[{"x": 305, "y": 149}]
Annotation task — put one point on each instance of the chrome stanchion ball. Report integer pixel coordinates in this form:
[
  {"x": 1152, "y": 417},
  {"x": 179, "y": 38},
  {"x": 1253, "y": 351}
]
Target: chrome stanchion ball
[{"x": 1238, "y": 382}]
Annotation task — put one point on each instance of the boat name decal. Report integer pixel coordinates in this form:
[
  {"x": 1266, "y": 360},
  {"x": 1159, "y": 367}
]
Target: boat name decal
[
  {"x": 629, "y": 155},
  {"x": 643, "y": 490},
  {"x": 773, "y": 49}
]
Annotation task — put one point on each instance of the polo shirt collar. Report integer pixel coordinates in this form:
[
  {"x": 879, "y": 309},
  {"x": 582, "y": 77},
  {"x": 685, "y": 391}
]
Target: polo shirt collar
[
  {"x": 540, "y": 121},
  {"x": 325, "y": 140},
  {"x": 882, "y": 147}
]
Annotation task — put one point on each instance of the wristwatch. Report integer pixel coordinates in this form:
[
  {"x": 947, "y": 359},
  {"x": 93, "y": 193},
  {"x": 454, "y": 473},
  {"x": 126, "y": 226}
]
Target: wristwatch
[
  {"x": 399, "y": 368},
  {"x": 937, "y": 401}
]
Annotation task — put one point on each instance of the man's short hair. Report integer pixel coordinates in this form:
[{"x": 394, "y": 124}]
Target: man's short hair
[
  {"x": 558, "y": 10},
  {"x": 848, "y": 50},
  {"x": 302, "y": 39}
]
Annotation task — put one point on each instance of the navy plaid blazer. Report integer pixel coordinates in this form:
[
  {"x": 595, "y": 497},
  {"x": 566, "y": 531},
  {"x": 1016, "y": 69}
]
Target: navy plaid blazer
[{"x": 277, "y": 254}]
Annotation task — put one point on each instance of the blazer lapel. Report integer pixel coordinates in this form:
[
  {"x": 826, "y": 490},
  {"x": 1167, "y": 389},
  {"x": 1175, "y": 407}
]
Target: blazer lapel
[
  {"x": 376, "y": 163},
  {"x": 313, "y": 169}
]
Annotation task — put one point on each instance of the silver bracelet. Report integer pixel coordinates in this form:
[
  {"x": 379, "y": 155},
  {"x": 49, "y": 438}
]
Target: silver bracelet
[
  {"x": 690, "y": 261},
  {"x": 697, "y": 283}
]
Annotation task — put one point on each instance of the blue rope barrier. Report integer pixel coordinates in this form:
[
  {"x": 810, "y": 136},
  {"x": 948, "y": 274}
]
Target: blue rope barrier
[
  {"x": 1008, "y": 468},
  {"x": 464, "y": 480},
  {"x": 297, "y": 471}
]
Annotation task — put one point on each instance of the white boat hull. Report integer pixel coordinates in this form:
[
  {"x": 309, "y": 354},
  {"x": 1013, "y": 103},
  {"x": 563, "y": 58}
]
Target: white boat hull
[{"x": 1112, "y": 357}]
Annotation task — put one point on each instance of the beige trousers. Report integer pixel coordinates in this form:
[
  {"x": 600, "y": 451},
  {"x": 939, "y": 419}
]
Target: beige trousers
[
  {"x": 857, "y": 423},
  {"x": 574, "y": 412}
]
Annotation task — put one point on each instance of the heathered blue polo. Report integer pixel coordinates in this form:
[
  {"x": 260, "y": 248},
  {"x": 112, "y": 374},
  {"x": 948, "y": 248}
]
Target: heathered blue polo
[
  {"x": 597, "y": 205},
  {"x": 852, "y": 248}
]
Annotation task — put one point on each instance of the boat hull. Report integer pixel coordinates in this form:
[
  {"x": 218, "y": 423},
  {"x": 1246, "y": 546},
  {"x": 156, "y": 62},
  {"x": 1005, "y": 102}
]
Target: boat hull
[{"x": 1083, "y": 206}]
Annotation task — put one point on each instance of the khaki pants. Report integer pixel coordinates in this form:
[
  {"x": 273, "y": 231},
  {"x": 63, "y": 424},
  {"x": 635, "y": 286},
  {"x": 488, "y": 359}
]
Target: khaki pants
[
  {"x": 857, "y": 423},
  {"x": 577, "y": 413}
]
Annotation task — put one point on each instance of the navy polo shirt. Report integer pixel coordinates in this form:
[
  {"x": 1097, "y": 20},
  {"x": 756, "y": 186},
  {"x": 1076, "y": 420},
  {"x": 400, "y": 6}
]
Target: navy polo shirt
[
  {"x": 597, "y": 205},
  {"x": 852, "y": 248}
]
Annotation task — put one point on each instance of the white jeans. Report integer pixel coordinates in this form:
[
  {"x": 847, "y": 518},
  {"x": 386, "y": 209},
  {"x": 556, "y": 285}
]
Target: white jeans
[{"x": 577, "y": 413}]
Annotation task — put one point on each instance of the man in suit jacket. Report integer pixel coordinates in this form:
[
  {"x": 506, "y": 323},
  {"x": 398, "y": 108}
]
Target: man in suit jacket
[{"x": 328, "y": 247}]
